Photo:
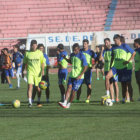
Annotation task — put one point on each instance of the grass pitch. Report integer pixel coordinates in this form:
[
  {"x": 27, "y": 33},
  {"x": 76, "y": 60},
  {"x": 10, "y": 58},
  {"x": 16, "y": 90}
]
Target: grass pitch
[{"x": 82, "y": 121}]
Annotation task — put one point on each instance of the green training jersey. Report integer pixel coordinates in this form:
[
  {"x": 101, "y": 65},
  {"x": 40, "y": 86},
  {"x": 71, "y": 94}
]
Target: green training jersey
[
  {"x": 137, "y": 59},
  {"x": 120, "y": 55},
  {"x": 107, "y": 59},
  {"x": 78, "y": 62},
  {"x": 89, "y": 54},
  {"x": 34, "y": 61}
]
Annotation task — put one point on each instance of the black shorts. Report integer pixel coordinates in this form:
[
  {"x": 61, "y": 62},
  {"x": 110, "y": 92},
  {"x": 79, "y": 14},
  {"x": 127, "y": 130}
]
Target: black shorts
[{"x": 100, "y": 65}]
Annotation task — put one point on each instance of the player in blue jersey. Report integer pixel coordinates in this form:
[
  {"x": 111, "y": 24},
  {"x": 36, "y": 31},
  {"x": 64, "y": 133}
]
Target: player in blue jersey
[
  {"x": 119, "y": 68},
  {"x": 137, "y": 62},
  {"x": 129, "y": 66},
  {"x": 18, "y": 60},
  {"x": 62, "y": 69},
  {"x": 79, "y": 67},
  {"x": 89, "y": 54}
]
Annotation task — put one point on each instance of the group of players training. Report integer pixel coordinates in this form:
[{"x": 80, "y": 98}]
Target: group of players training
[{"x": 117, "y": 67}]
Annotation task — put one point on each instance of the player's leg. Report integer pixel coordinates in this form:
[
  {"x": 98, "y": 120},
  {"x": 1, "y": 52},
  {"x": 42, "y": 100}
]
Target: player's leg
[
  {"x": 97, "y": 74},
  {"x": 75, "y": 86},
  {"x": 69, "y": 88},
  {"x": 48, "y": 90},
  {"x": 33, "y": 93},
  {"x": 37, "y": 81},
  {"x": 130, "y": 90},
  {"x": 124, "y": 91},
  {"x": 29, "y": 94},
  {"x": 137, "y": 76},
  {"x": 89, "y": 90},
  {"x": 88, "y": 80},
  {"x": 61, "y": 86},
  {"x": 78, "y": 94},
  {"x": 30, "y": 88},
  {"x": 18, "y": 73},
  {"x": 107, "y": 81},
  {"x": 7, "y": 74},
  {"x": 47, "y": 94},
  {"x": 112, "y": 91},
  {"x": 116, "y": 91},
  {"x": 103, "y": 74}
]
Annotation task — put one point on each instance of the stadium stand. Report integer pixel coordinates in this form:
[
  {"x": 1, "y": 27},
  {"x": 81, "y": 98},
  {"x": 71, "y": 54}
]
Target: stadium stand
[
  {"x": 20, "y": 18},
  {"x": 123, "y": 15}
]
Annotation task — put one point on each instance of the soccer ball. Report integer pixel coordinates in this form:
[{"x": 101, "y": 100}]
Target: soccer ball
[
  {"x": 108, "y": 102},
  {"x": 16, "y": 103},
  {"x": 43, "y": 85}
]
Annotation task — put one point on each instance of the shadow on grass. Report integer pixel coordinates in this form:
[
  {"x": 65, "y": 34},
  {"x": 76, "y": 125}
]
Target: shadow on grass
[{"x": 53, "y": 110}]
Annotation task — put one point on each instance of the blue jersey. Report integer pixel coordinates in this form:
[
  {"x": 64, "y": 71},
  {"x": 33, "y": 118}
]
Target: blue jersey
[
  {"x": 89, "y": 54},
  {"x": 17, "y": 58},
  {"x": 47, "y": 59}
]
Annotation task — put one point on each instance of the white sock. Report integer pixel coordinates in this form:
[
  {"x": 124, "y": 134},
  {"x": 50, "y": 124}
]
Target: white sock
[
  {"x": 30, "y": 101},
  {"x": 18, "y": 81},
  {"x": 107, "y": 92},
  {"x": 25, "y": 79},
  {"x": 65, "y": 102}
]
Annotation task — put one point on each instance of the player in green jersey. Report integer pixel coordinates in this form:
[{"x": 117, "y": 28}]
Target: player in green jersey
[
  {"x": 79, "y": 67},
  {"x": 34, "y": 63},
  {"x": 106, "y": 55},
  {"x": 137, "y": 62}
]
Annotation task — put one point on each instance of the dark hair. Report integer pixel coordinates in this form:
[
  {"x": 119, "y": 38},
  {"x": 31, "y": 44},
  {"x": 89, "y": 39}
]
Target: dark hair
[
  {"x": 60, "y": 46},
  {"x": 16, "y": 46},
  {"x": 117, "y": 36},
  {"x": 76, "y": 45},
  {"x": 5, "y": 49},
  {"x": 40, "y": 45},
  {"x": 122, "y": 39},
  {"x": 106, "y": 39},
  {"x": 33, "y": 42},
  {"x": 85, "y": 40},
  {"x": 137, "y": 40}
]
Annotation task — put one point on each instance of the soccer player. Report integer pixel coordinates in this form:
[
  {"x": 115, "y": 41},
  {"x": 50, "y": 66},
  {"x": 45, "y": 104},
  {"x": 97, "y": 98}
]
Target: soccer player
[
  {"x": 18, "y": 60},
  {"x": 41, "y": 47},
  {"x": 137, "y": 62},
  {"x": 79, "y": 67},
  {"x": 129, "y": 66},
  {"x": 8, "y": 66},
  {"x": 62, "y": 69},
  {"x": 119, "y": 55},
  {"x": 34, "y": 61},
  {"x": 99, "y": 64},
  {"x": 106, "y": 54},
  {"x": 89, "y": 54}
]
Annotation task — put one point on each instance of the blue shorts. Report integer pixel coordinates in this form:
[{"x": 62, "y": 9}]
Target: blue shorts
[
  {"x": 88, "y": 77},
  {"x": 123, "y": 74},
  {"x": 75, "y": 83},
  {"x": 9, "y": 72},
  {"x": 112, "y": 79},
  {"x": 62, "y": 76}
]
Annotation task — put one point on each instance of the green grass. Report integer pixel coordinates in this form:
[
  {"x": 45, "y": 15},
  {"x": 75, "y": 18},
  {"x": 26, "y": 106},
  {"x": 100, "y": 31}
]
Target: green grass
[{"x": 80, "y": 122}]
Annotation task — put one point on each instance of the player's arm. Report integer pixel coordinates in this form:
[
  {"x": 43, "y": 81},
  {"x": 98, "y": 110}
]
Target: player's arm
[
  {"x": 132, "y": 57},
  {"x": 101, "y": 54},
  {"x": 67, "y": 59},
  {"x": 84, "y": 70},
  {"x": 23, "y": 68}
]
